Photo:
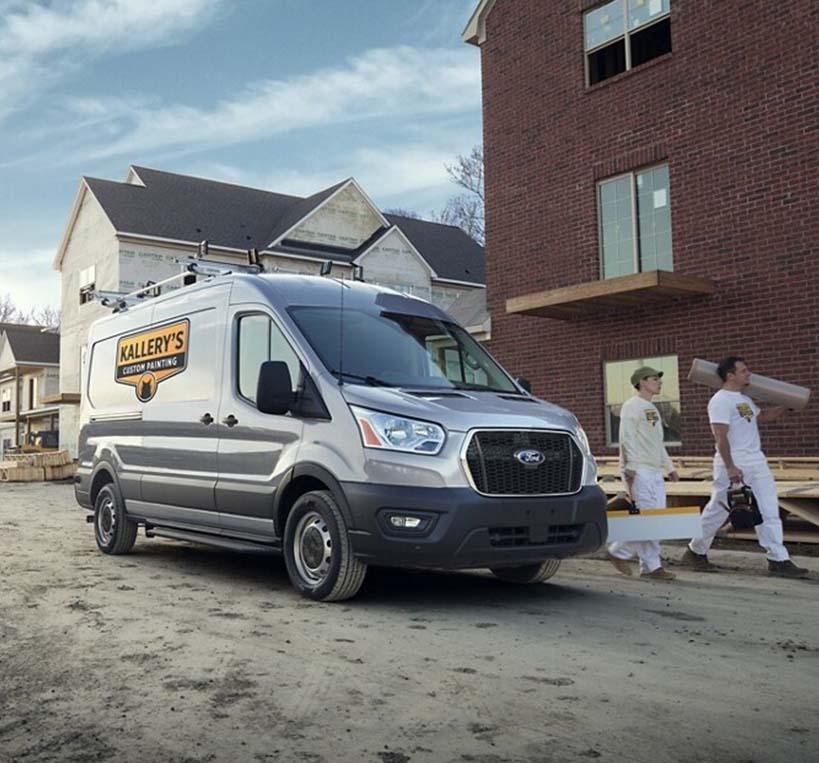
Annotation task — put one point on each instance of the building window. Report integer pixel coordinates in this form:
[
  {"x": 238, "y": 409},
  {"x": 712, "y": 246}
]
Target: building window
[
  {"x": 634, "y": 217},
  {"x": 618, "y": 389},
  {"x": 31, "y": 401},
  {"x": 623, "y": 34},
  {"x": 6, "y": 401},
  {"x": 87, "y": 280},
  {"x": 261, "y": 340}
]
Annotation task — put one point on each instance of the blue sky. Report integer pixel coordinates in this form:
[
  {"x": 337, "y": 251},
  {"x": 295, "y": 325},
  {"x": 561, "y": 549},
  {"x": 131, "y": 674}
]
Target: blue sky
[{"x": 288, "y": 95}]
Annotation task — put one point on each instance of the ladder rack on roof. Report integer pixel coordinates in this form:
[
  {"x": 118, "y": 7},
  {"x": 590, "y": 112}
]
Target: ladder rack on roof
[{"x": 194, "y": 266}]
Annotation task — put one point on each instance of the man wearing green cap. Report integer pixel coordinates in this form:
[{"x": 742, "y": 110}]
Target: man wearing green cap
[{"x": 644, "y": 462}]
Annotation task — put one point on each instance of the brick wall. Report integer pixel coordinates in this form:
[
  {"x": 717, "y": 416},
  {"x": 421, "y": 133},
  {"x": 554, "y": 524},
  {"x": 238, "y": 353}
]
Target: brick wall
[{"x": 734, "y": 110}]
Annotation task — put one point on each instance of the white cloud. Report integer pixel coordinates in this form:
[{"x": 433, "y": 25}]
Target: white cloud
[
  {"x": 39, "y": 41},
  {"x": 390, "y": 84},
  {"x": 409, "y": 175},
  {"x": 26, "y": 274}
]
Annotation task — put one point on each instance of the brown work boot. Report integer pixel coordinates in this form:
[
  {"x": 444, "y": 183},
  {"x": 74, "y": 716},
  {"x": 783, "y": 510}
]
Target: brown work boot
[
  {"x": 661, "y": 573},
  {"x": 786, "y": 569},
  {"x": 698, "y": 562},
  {"x": 621, "y": 565}
]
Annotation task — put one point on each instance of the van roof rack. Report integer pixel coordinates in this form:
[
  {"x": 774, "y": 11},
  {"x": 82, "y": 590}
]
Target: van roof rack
[{"x": 193, "y": 266}]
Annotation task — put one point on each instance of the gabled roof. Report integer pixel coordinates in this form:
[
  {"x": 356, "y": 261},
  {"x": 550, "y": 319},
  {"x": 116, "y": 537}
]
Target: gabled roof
[
  {"x": 193, "y": 209},
  {"x": 189, "y": 209},
  {"x": 452, "y": 254},
  {"x": 299, "y": 210},
  {"x": 31, "y": 344}
]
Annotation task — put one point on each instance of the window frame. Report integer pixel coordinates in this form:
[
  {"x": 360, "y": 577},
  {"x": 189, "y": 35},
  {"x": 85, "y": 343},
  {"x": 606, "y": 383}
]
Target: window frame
[
  {"x": 637, "y": 258},
  {"x": 298, "y": 384},
  {"x": 606, "y": 405},
  {"x": 625, "y": 37}
]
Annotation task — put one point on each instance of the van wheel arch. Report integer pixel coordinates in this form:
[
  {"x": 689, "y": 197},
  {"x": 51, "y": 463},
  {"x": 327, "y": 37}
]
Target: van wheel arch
[
  {"x": 306, "y": 478},
  {"x": 102, "y": 477}
]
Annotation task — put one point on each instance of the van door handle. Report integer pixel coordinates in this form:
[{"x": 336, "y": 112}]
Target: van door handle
[
  {"x": 230, "y": 421},
  {"x": 206, "y": 419}
]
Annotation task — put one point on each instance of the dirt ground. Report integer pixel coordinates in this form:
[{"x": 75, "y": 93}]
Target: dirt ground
[{"x": 179, "y": 652}]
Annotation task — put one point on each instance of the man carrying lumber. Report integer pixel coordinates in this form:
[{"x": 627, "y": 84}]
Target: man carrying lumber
[
  {"x": 739, "y": 459},
  {"x": 643, "y": 461}
]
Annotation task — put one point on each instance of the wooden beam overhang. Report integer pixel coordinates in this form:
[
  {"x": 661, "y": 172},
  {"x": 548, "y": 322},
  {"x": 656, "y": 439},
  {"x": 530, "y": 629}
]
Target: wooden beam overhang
[{"x": 586, "y": 300}]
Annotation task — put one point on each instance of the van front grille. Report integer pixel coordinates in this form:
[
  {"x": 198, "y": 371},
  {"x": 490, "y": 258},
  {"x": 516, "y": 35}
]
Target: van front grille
[{"x": 496, "y": 460}]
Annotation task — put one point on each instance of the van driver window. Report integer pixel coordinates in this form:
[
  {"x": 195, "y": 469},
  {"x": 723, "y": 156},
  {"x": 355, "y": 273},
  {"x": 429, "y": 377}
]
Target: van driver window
[{"x": 261, "y": 340}]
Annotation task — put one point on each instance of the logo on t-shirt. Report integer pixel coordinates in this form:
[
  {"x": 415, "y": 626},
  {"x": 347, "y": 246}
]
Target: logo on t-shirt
[
  {"x": 652, "y": 417},
  {"x": 745, "y": 411}
]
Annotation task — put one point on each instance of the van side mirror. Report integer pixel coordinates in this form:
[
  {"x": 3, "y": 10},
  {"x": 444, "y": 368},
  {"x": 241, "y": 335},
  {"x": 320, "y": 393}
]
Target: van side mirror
[
  {"x": 274, "y": 391},
  {"x": 524, "y": 384}
]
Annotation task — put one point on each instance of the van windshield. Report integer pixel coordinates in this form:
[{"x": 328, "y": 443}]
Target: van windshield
[{"x": 399, "y": 350}]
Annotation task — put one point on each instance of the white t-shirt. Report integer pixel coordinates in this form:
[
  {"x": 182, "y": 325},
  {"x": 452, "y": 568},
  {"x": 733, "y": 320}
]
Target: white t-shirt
[
  {"x": 739, "y": 412},
  {"x": 641, "y": 437}
]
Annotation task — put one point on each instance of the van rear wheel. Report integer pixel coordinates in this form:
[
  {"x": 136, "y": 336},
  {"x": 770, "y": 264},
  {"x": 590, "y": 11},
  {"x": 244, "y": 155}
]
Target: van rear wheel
[
  {"x": 318, "y": 552},
  {"x": 115, "y": 533},
  {"x": 529, "y": 573}
]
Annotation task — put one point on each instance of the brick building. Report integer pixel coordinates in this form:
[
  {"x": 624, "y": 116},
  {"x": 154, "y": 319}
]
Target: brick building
[{"x": 651, "y": 185}]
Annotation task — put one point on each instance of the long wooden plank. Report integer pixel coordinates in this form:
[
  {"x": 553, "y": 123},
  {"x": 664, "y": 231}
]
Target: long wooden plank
[
  {"x": 703, "y": 488},
  {"x": 806, "y": 510}
]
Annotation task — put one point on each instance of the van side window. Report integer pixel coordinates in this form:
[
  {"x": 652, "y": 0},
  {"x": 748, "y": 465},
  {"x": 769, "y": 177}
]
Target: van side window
[{"x": 261, "y": 340}]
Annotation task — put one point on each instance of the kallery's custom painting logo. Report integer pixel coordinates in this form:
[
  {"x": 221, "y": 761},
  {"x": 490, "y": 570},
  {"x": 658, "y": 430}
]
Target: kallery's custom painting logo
[{"x": 146, "y": 359}]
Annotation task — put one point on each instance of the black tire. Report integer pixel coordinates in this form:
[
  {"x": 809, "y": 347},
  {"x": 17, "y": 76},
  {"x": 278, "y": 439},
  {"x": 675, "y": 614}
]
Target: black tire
[
  {"x": 318, "y": 552},
  {"x": 529, "y": 573},
  {"x": 114, "y": 532}
]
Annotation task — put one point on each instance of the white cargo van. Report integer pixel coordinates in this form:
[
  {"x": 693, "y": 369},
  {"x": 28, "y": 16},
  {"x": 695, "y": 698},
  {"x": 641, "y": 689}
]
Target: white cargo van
[{"x": 339, "y": 423}]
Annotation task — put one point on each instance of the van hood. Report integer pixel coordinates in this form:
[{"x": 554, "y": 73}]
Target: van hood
[{"x": 462, "y": 410}]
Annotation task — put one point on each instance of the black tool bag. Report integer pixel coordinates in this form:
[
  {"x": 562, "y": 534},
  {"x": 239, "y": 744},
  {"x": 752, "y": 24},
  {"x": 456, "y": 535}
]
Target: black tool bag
[{"x": 743, "y": 510}]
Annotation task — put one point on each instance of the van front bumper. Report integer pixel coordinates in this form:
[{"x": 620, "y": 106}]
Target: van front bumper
[{"x": 466, "y": 530}]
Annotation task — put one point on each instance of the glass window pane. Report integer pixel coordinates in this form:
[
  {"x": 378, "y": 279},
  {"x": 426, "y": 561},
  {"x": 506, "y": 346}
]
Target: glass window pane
[
  {"x": 617, "y": 240},
  {"x": 642, "y": 12},
  {"x": 254, "y": 344},
  {"x": 654, "y": 219},
  {"x": 604, "y": 23}
]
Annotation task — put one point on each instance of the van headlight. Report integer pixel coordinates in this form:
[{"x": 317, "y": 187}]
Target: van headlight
[
  {"x": 388, "y": 432},
  {"x": 583, "y": 437}
]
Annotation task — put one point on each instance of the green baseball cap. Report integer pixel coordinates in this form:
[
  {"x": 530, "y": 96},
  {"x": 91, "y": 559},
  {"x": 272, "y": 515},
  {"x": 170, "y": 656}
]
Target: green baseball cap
[{"x": 643, "y": 373}]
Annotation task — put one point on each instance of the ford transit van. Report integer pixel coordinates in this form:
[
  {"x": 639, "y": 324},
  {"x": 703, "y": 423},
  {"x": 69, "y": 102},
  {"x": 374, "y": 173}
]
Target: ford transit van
[{"x": 340, "y": 423}]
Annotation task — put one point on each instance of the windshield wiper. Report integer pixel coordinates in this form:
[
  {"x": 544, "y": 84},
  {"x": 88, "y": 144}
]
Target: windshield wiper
[{"x": 373, "y": 381}]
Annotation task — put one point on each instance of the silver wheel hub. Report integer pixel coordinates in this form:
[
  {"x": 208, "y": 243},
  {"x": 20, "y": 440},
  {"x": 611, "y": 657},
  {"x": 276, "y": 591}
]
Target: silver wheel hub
[
  {"x": 312, "y": 548},
  {"x": 106, "y": 521}
]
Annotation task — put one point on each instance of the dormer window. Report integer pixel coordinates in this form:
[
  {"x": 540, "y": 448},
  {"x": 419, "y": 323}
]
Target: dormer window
[{"x": 623, "y": 34}]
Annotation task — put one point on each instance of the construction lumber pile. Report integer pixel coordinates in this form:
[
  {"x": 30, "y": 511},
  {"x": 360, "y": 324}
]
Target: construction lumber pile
[
  {"x": 37, "y": 467},
  {"x": 797, "y": 486}
]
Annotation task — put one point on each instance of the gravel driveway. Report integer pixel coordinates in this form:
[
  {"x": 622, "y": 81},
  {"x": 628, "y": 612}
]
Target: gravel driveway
[{"x": 179, "y": 652}]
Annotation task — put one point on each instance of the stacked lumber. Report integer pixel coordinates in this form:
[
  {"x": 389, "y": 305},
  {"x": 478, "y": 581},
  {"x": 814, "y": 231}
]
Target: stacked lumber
[
  {"x": 37, "y": 467},
  {"x": 797, "y": 487}
]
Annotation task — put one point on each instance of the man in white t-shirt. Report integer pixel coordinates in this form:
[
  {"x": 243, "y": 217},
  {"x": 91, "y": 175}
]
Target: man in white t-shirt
[
  {"x": 739, "y": 458},
  {"x": 644, "y": 462}
]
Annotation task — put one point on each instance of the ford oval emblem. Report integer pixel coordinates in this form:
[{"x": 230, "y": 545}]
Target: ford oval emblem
[{"x": 530, "y": 457}]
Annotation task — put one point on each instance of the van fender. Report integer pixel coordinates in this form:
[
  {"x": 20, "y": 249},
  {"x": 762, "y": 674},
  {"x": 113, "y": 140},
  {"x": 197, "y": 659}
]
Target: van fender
[
  {"x": 103, "y": 466},
  {"x": 317, "y": 472}
]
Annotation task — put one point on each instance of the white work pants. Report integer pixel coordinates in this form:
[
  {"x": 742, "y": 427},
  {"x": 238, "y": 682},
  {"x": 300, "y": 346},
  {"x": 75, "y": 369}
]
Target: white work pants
[
  {"x": 758, "y": 477},
  {"x": 647, "y": 492}
]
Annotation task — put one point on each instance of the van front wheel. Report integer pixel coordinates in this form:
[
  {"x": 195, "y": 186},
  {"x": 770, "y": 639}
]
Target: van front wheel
[
  {"x": 530, "y": 573},
  {"x": 318, "y": 552},
  {"x": 114, "y": 531}
]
